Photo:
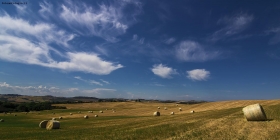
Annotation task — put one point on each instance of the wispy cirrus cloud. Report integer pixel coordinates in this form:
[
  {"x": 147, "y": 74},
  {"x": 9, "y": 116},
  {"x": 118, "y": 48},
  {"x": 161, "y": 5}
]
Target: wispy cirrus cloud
[
  {"x": 198, "y": 74},
  {"x": 95, "y": 82},
  {"x": 79, "y": 78},
  {"x": 46, "y": 9},
  {"x": 3, "y": 73},
  {"x": 106, "y": 82},
  {"x": 163, "y": 71},
  {"x": 276, "y": 35},
  {"x": 88, "y": 81},
  {"x": 32, "y": 43},
  {"x": 232, "y": 25},
  {"x": 192, "y": 51},
  {"x": 106, "y": 21},
  {"x": 170, "y": 40},
  {"x": 21, "y": 9},
  {"x": 157, "y": 84},
  {"x": 135, "y": 37}
]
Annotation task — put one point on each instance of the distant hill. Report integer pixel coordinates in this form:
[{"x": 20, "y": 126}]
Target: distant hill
[
  {"x": 16, "y": 98},
  {"x": 48, "y": 98}
]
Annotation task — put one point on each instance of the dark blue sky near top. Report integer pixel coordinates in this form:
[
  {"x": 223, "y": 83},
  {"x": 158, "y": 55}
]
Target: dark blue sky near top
[{"x": 152, "y": 49}]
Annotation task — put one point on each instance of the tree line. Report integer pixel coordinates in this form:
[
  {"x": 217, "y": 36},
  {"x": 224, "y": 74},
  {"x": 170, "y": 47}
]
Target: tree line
[{"x": 24, "y": 107}]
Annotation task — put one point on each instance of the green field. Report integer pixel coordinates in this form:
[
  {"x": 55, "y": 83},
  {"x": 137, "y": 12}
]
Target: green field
[{"x": 133, "y": 120}]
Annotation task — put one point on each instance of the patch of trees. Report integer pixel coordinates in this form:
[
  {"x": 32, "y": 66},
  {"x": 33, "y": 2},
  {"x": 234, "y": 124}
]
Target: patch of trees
[{"x": 24, "y": 107}]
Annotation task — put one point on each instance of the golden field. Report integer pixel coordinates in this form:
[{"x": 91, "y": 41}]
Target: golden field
[{"x": 135, "y": 120}]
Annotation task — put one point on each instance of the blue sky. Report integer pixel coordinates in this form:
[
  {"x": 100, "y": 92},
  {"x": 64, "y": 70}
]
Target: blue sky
[{"x": 151, "y": 49}]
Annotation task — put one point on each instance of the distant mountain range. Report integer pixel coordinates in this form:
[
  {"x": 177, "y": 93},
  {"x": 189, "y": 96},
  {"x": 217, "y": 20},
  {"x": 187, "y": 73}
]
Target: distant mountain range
[{"x": 17, "y": 98}]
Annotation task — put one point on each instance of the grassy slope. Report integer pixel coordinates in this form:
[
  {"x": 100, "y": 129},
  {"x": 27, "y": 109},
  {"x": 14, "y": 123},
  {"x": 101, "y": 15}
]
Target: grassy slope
[{"x": 216, "y": 120}]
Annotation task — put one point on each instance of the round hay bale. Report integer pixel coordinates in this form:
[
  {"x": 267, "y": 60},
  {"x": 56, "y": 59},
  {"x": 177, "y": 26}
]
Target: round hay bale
[
  {"x": 26, "y": 112},
  {"x": 114, "y": 111},
  {"x": 192, "y": 111},
  {"x": 165, "y": 108},
  {"x": 106, "y": 109},
  {"x": 180, "y": 109},
  {"x": 60, "y": 118},
  {"x": 52, "y": 124},
  {"x": 71, "y": 113},
  {"x": 1, "y": 120},
  {"x": 43, "y": 124},
  {"x": 95, "y": 115},
  {"x": 254, "y": 112},
  {"x": 156, "y": 113},
  {"x": 53, "y": 118},
  {"x": 177, "y": 105},
  {"x": 86, "y": 116},
  {"x": 101, "y": 111},
  {"x": 172, "y": 113},
  {"x": 158, "y": 107}
]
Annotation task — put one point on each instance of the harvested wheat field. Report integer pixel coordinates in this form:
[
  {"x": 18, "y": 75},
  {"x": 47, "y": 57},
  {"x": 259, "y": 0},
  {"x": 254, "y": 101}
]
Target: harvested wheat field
[{"x": 135, "y": 120}]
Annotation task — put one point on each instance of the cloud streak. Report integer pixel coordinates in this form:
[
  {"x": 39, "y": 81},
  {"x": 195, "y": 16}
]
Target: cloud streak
[
  {"x": 170, "y": 40},
  {"x": 106, "y": 82},
  {"x": 46, "y": 9},
  {"x": 88, "y": 81},
  {"x": 276, "y": 38},
  {"x": 233, "y": 25}
]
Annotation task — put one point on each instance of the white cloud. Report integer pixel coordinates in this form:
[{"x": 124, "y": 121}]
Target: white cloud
[
  {"x": 42, "y": 32},
  {"x": 198, "y": 74},
  {"x": 20, "y": 50},
  {"x": 55, "y": 91},
  {"x": 73, "y": 89},
  {"x": 105, "y": 21},
  {"x": 89, "y": 63},
  {"x": 192, "y": 51},
  {"x": 163, "y": 71},
  {"x": 233, "y": 25},
  {"x": 25, "y": 43},
  {"x": 4, "y": 84},
  {"x": 29, "y": 90},
  {"x": 170, "y": 40}
]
